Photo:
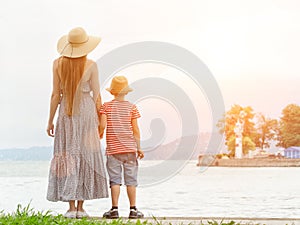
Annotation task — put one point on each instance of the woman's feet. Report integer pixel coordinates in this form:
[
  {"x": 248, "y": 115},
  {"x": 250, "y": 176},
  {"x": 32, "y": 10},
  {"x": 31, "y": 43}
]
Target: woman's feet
[
  {"x": 79, "y": 214},
  {"x": 70, "y": 214}
]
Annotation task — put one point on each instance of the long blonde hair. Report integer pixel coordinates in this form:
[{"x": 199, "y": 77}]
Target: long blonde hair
[{"x": 71, "y": 71}]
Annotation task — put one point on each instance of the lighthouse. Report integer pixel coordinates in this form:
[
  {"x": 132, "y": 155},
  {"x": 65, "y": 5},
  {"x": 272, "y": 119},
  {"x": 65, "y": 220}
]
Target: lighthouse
[{"x": 238, "y": 130}]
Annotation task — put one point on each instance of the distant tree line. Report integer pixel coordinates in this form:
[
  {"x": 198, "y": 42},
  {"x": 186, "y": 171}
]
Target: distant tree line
[{"x": 258, "y": 130}]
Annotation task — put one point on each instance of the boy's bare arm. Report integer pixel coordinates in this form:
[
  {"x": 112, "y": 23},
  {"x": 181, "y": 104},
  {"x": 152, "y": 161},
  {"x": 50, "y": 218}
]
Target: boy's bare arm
[
  {"x": 136, "y": 134},
  {"x": 102, "y": 126}
]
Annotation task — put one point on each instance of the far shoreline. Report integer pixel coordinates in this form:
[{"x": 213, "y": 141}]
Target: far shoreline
[{"x": 250, "y": 162}]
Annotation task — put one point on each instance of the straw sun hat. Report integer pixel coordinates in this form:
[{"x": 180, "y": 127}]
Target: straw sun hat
[
  {"x": 119, "y": 85},
  {"x": 77, "y": 43}
]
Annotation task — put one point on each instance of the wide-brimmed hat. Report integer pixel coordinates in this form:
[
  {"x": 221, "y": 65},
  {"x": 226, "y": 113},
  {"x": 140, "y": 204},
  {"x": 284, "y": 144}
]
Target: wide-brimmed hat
[
  {"x": 77, "y": 43},
  {"x": 119, "y": 85}
]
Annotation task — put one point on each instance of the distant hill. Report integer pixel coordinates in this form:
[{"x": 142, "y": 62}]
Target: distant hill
[
  {"x": 189, "y": 147},
  {"x": 29, "y": 154},
  {"x": 182, "y": 148}
]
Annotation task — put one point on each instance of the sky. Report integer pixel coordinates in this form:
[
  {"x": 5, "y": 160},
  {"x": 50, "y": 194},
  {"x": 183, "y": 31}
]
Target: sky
[{"x": 251, "y": 47}]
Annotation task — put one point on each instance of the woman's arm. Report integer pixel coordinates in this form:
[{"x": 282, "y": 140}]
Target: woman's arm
[
  {"x": 98, "y": 104},
  {"x": 55, "y": 98},
  {"x": 95, "y": 85},
  {"x": 136, "y": 134}
]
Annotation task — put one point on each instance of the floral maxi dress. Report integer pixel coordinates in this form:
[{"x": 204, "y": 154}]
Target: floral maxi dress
[{"x": 77, "y": 170}]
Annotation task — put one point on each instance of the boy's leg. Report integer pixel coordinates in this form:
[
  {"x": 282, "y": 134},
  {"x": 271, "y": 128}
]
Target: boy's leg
[
  {"x": 115, "y": 193},
  {"x": 131, "y": 192},
  {"x": 114, "y": 169},
  {"x": 130, "y": 177}
]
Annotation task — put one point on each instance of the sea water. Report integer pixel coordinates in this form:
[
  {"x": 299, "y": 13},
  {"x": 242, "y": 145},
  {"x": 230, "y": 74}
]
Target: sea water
[{"x": 190, "y": 191}]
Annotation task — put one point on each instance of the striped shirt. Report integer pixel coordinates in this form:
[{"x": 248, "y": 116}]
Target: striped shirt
[{"x": 119, "y": 134}]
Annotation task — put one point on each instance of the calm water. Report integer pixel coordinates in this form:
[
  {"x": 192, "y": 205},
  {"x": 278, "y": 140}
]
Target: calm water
[{"x": 194, "y": 191}]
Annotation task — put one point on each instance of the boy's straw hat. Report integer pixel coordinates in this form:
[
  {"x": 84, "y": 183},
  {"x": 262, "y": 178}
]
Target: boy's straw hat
[
  {"x": 119, "y": 85},
  {"x": 77, "y": 43}
]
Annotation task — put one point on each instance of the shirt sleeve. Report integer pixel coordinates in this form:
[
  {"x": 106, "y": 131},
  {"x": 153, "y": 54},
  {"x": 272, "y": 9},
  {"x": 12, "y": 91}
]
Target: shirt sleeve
[
  {"x": 134, "y": 112},
  {"x": 103, "y": 109}
]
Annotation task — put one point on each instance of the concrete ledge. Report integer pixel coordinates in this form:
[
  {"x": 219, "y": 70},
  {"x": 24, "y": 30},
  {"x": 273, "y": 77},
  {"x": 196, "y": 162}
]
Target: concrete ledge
[
  {"x": 255, "y": 162},
  {"x": 219, "y": 220}
]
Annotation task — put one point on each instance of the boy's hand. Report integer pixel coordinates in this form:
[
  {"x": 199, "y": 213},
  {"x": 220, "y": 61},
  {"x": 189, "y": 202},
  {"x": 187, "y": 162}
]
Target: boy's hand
[{"x": 140, "y": 154}]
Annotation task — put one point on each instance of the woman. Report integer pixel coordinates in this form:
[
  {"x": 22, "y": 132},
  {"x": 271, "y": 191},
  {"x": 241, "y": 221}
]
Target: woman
[{"x": 76, "y": 171}]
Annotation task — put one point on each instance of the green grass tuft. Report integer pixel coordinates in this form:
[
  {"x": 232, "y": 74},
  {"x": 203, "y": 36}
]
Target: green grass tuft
[{"x": 27, "y": 216}]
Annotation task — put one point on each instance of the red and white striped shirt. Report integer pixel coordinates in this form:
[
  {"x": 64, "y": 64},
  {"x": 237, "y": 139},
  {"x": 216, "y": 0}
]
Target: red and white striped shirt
[{"x": 119, "y": 134}]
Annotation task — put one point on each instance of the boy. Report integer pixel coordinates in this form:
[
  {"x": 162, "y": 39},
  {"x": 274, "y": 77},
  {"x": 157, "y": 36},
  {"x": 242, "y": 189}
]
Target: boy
[{"x": 123, "y": 145}]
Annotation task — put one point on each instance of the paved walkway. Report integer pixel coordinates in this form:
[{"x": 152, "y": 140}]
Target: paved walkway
[{"x": 204, "y": 220}]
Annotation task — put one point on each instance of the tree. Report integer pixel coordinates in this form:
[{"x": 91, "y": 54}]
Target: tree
[
  {"x": 227, "y": 125},
  {"x": 289, "y": 127},
  {"x": 248, "y": 145},
  {"x": 266, "y": 131},
  {"x": 231, "y": 146}
]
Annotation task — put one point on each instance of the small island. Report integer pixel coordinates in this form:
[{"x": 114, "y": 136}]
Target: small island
[
  {"x": 210, "y": 160},
  {"x": 249, "y": 135}
]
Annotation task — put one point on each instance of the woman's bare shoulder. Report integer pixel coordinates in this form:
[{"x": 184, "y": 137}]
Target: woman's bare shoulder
[
  {"x": 90, "y": 63},
  {"x": 90, "y": 68}
]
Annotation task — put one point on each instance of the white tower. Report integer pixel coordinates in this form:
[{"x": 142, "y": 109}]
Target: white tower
[{"x": 238, "y": 130}]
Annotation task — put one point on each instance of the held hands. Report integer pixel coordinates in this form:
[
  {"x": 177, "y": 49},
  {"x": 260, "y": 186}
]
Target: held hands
[
  {"x": 140, "y": 154},
  {"x": 50, "y": 130},
  {"x": 100, "y": 132}
]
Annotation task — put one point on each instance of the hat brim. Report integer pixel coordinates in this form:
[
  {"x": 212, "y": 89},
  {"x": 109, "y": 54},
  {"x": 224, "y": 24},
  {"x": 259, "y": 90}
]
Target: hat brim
[
  {"x": 67, "y": 49},
  {"x": 123, "y": 91}
]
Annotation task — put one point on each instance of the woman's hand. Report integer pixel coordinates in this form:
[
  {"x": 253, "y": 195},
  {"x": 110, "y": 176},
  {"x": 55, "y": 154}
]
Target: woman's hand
[
  {"x": 140, "y": 154},
  {"x": 50, "y": 130},
  {"x": 100, "y": 132}
]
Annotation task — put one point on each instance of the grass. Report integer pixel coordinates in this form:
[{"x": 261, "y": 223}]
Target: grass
[{"x": 27, "y": 216}]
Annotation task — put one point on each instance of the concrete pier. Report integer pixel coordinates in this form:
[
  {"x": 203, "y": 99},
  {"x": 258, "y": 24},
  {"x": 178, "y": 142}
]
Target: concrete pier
[{"x": 218, "y": 220}]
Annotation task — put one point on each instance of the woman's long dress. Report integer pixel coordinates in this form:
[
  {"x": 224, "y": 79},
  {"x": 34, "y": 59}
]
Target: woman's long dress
[{"x": 77, "y": 170}]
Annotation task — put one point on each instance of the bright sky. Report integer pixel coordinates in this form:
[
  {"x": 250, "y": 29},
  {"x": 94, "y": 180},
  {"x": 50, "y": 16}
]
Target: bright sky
[{"x": 252, "y": 48}]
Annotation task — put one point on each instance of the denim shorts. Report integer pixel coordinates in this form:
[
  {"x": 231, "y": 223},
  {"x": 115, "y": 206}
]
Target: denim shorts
[{"x": 128, "y": 163}]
